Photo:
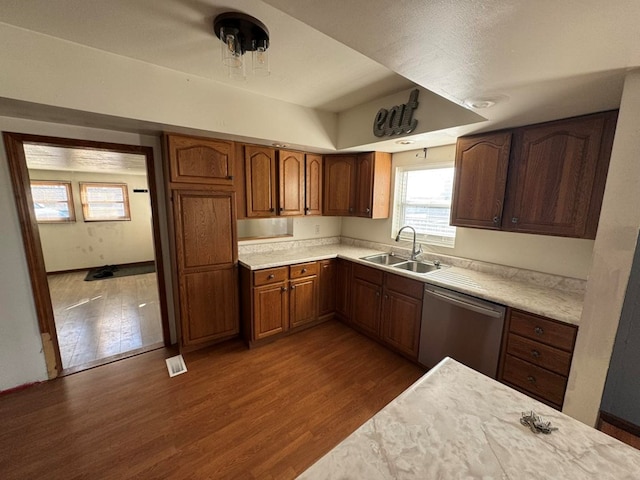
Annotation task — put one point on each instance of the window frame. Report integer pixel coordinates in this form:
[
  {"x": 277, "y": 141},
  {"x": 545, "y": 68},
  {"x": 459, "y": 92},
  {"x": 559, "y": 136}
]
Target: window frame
[
  {"x": 70, "y": 204},
  {"x": 85, "y": 204},
  {"x": 399, "y": 203}
]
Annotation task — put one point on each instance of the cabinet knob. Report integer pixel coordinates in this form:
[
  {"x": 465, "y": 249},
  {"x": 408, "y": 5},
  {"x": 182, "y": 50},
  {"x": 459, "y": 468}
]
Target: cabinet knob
[
  {"x": 271, "y": 276},
  {"x": 230, "y": 177},
  {"x": 304, "y": 270},
  {"x": 514, "y": 220},
  {"x": 350, "y": 209},
  {"x": 496, "y": 220},
  {"x": 538, "y": 330},
  {"x": 377, "y": 294},
  {"x": 535, "y": 353},
  {"x": 386, "y": 297},
  {"x": 531, "y": 379},
  {"x": 368, "y": 210},
  {"x": 284, "y": 289},
  {"x": 306, "y": 210},
  {"x": 272, "y": 209},
  {"x": 293, "y": 287}
]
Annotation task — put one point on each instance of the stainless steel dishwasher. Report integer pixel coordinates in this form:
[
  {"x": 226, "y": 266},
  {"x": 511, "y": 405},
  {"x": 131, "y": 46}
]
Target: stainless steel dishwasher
[{"x": 464, "y": 328}]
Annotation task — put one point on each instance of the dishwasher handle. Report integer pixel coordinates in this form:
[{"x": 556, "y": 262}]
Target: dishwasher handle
[{"x": 465, "y": 304}]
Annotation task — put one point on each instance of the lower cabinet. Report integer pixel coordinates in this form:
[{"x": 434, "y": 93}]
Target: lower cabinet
[
  {"x": 536, "y": 356},
  {"x": 388, "y": 308},
  {"x": 327, "y": 288},
  {"x": 343, "y": 289},
  {"x": 276, "y": 301}
]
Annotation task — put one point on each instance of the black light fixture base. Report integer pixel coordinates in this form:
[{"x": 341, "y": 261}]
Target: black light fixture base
[{"x": 248, "y": 29}]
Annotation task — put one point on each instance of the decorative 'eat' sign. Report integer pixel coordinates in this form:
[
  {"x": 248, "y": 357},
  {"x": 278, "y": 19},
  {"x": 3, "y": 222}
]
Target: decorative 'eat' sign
[{"x": 398, "y": 119}]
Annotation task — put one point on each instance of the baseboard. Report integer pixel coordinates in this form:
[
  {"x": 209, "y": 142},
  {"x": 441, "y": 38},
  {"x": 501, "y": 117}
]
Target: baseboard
[
  {"x": 619, "y": 428},
  {"x": 18, "y": 388}
]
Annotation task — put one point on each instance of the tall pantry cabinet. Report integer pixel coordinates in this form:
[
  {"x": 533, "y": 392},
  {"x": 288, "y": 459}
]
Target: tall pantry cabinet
[{"x": 202, "y": 211}]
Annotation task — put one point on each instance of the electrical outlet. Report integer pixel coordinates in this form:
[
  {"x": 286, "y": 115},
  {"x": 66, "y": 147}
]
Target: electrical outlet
[{"x": 317, "y": 229}]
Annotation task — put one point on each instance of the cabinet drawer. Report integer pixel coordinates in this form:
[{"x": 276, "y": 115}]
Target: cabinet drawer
[
  {"x": 538, "y": 381},
  {"x": 406, "y": 286},
  {"x": 369, "y": 274},
  {"x": 303, "y": 270},
  {"x": 543, "y": 330},
  {"x": 539, "y": 354},
  {"x": 270, "y": 275}
]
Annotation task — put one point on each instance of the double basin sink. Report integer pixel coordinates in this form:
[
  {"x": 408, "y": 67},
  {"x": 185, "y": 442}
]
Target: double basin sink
[{"x": 394, "y": 261}]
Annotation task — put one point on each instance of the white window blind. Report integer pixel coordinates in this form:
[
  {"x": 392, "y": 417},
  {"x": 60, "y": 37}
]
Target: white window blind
[
  {"x": 104, "y": 202},
  {"x": 423, "y": 201},
  {"x": 52, "y": 201}
]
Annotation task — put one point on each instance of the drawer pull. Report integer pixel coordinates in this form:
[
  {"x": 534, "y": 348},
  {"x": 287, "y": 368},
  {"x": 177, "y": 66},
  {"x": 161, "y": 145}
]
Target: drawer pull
[
  {"x": 284, "y": 289},
  {"x": 531, "y": 379},
  {"x": 304, "y": 270},
  {"x": 538, "y": 330},
  {"x": 271, "y": 276},
  {"x": 535, "y": 353},
  {"x": 293, "y": 287}
]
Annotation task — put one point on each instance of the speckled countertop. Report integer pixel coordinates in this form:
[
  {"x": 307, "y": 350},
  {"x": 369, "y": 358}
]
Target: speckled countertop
[
  {"x": 457, "y": 423},
  {"x": 526, "y": 290}
]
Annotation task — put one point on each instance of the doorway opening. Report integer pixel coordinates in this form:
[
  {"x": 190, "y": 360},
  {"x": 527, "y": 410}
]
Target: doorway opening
[{"x": 89, "y": 218}]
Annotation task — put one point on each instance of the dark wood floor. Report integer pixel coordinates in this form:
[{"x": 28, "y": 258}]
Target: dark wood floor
[{"x": 264, "y": 413}]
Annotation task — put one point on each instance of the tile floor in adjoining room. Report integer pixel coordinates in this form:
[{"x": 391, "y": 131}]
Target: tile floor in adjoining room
[{"x": 99, "y": 319}]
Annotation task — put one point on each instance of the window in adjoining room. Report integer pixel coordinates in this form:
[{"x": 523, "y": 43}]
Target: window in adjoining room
[
  {"x": 423, "y": 201},
  {"x": 52, "y": 201},
  {"x": 104, "y": 202}
]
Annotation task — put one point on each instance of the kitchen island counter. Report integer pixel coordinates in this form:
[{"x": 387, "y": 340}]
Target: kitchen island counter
[{"x": 457, "y": 423}]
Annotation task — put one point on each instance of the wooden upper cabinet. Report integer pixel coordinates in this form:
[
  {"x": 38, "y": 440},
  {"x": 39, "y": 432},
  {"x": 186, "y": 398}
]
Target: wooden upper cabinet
[
  {"x": 260, "y": 179},
  {"x": 554, "y": 173},
  {"x": 313, "y": 184},
  {"x": 373, "y": 185},
  {"x": 480, "y": 181},
  {"x": 292, "y": 182},
  {"x": 200, "y": 160},
  {"x": 339, "y": 184}
]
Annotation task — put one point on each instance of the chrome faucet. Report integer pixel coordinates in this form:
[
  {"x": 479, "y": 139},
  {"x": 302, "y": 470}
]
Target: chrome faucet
[{"x": 414, "y": 252}]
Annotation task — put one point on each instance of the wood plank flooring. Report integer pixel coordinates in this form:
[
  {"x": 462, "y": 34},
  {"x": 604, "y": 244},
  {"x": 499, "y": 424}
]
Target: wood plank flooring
[
  {"x": 99, "y": 319},
  {"x": 264, "y": 413}
]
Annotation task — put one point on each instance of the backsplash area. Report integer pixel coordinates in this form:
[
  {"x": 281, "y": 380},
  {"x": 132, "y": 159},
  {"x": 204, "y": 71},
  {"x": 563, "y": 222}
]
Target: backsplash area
[{"x": 568, "y": 284}]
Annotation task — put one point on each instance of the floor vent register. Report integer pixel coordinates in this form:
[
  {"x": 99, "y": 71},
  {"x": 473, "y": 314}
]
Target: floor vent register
[{"x": 176, "y": 365}]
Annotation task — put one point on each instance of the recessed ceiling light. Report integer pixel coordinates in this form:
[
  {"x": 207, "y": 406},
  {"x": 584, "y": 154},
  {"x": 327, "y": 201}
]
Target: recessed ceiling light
[
  {"x": 484, "y": 102},
  {"x": 280, "y": 145},
  {"x": 405, "y": 142}
]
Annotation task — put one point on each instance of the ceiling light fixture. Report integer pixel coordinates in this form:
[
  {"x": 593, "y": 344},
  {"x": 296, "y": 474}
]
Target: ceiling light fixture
[
  {"x": 241, "y": 33},
  {"x": 484, "y": 102},
  {"x": 405, "y": 142}
]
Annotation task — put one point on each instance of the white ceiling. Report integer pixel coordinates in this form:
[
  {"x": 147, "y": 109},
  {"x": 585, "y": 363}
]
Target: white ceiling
[{"x": 544, "y": 59}]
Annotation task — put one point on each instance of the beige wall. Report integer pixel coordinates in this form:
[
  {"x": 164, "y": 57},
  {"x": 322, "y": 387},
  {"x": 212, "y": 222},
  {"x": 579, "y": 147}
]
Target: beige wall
[
  {"x": 305, "y": 228},
  {"x": 82, "y": 244},
  {"x": 612, "y": 259},
  {"x": 570, "y": 257}
]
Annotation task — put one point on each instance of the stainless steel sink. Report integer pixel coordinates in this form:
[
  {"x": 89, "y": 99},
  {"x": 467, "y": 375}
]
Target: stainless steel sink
[
  {"x": 384, "y": 259},
  {"x": 417, "y": 267}
]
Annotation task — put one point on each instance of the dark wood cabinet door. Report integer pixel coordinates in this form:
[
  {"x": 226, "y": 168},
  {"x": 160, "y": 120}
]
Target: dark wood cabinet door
[
  {"x": 552, "y": 174},
  {"x": 270, "y": 310},
  {"x": 365, "y": 313},
  {"x": 480, "y": 180},
  {"x": 401, "y": 316},
  {"x": 209, "y": 306},
  {"x": 205, "y": 229},
  {"x": 260, "y": 180},
  {"x": 291, "y": 181},
  {"x": 303, "y": 301},
  {"x": 200, "y": 160},
  {"x": 339, "y": 185},
  {"x": 364, "y": 188},
  {"x": 313, "y": 185},
  {"x": 327, "y": 287},
  {"x": 343, "y": 289}
]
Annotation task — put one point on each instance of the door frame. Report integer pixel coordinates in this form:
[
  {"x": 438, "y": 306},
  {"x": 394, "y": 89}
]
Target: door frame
[{"x": 14, "y": 145}]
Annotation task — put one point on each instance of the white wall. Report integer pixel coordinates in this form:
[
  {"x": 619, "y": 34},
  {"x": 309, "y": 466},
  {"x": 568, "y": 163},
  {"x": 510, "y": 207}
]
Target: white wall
[
  {"x": 70, "y": 246},
  {"x": 570, "y": 257},
  {"x": 612, "y": 259},
  {"x": 21, "y": 353}
]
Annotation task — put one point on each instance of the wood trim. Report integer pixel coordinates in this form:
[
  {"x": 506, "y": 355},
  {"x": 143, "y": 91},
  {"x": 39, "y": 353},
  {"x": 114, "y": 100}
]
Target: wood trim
[
  {"x": 85, "y": 205},
  {"x": 618, "y": 422},
  {"x": 31, "y": 237},
  {"x": 70, "y": 204}
]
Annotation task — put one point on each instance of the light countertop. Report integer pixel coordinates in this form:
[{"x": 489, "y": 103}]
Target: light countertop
[
  {"x": 457, "y": 423},
  {"x": 522, "y": 292}
]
